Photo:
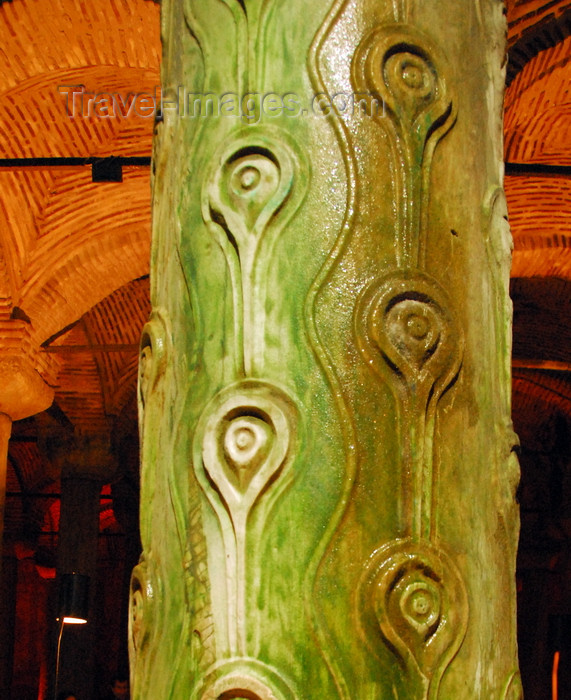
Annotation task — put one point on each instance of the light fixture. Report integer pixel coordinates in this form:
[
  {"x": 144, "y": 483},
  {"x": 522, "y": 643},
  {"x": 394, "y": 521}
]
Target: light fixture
[
  {"x": 73, "y": 599},
  {"x": 72, "y": 609}
]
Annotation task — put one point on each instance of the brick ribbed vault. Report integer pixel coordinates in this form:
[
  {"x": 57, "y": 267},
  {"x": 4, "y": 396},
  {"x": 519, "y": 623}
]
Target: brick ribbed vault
[
  {"x": 74, "y": 254},
  {"x": 537, "y": 130},
  {"x": 59, "y": 230}
]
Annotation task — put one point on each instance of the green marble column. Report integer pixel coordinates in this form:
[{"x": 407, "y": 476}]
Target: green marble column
[{"x": 328, "y": 474}]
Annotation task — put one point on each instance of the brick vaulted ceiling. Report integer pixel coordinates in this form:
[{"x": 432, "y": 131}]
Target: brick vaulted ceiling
[{"x": 74, "y": 253}]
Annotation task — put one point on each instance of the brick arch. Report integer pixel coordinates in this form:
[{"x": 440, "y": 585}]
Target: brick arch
[
  {"x": 119, "y": 319},
  {"x": 537, "y": 117},
  {"x": 96, "y": 238},
  {"x": 109, "y": 45},
  {"x": 544, "y": 262},
  {"x": 538, "y": 399},
  {"x": 30, "y": 195},
  {"x": 38, "y": 119},
  {"x": 126, "y": 386},
  {"x": 538, "y": 96},
  {"x": 123, "y": 33},
  {"x": 533, "y": 31},
  {"x": 540, "y": 211}
]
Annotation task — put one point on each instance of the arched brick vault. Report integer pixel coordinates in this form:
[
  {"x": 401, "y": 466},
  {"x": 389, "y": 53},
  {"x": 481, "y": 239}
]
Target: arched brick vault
[
  {"x": 59, "y": 230},
  {"x": 535, "y": 27},
  {"x": 74, "y": 254},
  {"x": 538, "y": 130},
  {"x": 86, "y": 228}
]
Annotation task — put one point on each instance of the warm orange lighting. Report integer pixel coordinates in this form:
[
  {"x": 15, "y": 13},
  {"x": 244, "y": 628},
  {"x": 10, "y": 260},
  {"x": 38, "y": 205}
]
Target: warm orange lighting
[
  {"x": 554, "y": 688},
  {"x": 74, "y": 621}
]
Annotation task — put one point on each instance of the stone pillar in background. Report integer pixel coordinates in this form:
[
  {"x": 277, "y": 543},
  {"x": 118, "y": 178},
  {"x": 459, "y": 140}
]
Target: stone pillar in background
[
  {"x": 85, "y": 465},
  {"x": 25, "y": 374},
  {"x": 24, "y": 391},
  {"x": 327, "y": 470},
  {"x": 8, "y": 583}
]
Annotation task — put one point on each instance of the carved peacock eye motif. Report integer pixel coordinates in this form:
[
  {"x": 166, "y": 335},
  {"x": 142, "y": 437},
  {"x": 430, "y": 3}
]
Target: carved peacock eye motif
[
  {"x": 248, "y": 187},
  {"x": 247, "y": 438},
  {"x": 413, "y": 594},
  {"x": 247, "y": 679},
  {"x": 414, "y": 327},
  {"x": 152, "y": 356},
  {"x": 247, "y": 443},
  {"x": 411, "y": 79},
  {"x": 249, "y": 182},
  {"x": 141, "y": 607},
  {"x": 421, "y": 604},
  {"x": 405, "y": 324},
  {"x": 403, "y": 67}
]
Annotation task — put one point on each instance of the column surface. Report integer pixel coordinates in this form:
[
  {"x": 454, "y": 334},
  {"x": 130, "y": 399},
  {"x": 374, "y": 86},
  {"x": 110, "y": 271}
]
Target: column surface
[{"x": 328, "y": 471}]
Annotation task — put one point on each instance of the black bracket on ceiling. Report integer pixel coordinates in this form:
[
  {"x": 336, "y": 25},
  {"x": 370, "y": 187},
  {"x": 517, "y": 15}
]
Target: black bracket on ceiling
[
  {"x": 107, "y": 170},
  {"x": 103, "y": 169}
]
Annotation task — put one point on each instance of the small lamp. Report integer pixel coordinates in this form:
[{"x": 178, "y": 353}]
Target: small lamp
[
  {"x": 73, "y": 599},
  {"x": 72, "y": 609}
]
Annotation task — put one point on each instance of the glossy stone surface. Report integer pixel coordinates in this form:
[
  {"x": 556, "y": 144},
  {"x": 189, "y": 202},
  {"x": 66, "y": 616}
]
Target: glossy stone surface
[{"x": 327, "y": 469}]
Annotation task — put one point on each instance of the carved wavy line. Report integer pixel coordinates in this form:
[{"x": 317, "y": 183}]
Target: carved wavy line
[
  {"x": 239, "y": 15},
  {"x": 238, "y": 9},
  {"x": 433, "y": 138},
  {"x": 194, "y": 28},
  {"x": 227, "y": 243},
  {"x": 198, "y": 322},
  {"x": 321, "y": 353},
  {"x": 260, "y": 43}
]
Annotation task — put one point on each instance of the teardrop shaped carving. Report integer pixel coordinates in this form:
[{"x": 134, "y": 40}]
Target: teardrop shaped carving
[
  {"x": 152, "y": 356},
  {"x": 247, "y": 678},
  {"x": 412, "y": 596},
  {"x": 406, "y": 71},
  {"x": 247, "y": 443},
  {"x": 406, "y": 323},
  {"x": 255, "y": 184},
  {"x": 401, "y": 67},
  {"x": 249, "y": 186},
  {"x": 141, "y": 616},
  {"x": 246, "y": 440}
]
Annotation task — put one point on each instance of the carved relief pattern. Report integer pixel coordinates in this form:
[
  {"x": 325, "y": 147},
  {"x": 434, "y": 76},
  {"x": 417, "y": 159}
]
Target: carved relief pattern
[
  {"x": 411, "y": 601},
  {"x": 238, "y": 679},
  {"x": 402, "y": 68},
  {"x": 346, "y": 419},
  {"x": 407, "y": 331},
  {"x": 141, "y": 603},
  {"x": 252, "y": 181},
  {"x": 241, "y": 447},
  {"x": 245, "y": 438},
  {"x": 245, "y": 433},
  {"x": 415, "y": 597},
  {"x": 513, "y": 689}
]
